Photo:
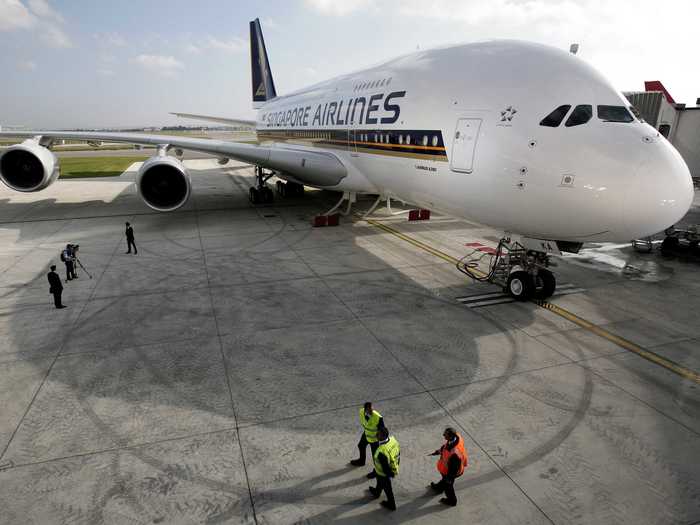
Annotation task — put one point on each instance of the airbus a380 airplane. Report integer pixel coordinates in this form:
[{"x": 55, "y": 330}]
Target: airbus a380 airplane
[{"x": 515, "y": 135}]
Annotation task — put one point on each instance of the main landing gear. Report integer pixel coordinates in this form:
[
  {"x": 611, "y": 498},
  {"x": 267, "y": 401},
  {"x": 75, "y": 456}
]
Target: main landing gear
[
  {"x": 260, "y": 193},
  {"x": 523, "y": 273},
  {"x": 289, "y": 189}
]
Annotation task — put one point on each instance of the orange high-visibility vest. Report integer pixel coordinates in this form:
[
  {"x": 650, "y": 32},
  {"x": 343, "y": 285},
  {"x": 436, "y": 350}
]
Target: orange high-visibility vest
[{"x": 445, "y": 453}]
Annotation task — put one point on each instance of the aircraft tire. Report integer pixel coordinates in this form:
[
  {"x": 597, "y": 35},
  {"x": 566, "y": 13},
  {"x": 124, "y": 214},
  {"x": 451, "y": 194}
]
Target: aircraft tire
[
  {"x": 254, "y": 195},
  {"x": 297, "y": 190},
  {"x": 669, "y": 245},
  {"x": 520, "y": 286},
  {"x": 267, "y": 196},
  {"x": 548, "y": 284}
]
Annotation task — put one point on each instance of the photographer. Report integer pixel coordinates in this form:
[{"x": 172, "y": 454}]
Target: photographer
[{"x": 68, "y": 258}]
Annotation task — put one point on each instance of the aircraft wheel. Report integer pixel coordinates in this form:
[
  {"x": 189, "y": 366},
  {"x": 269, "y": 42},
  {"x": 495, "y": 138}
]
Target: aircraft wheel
[
  {"x": 547, "y": 284},
  {"x": 694, "y": 247},
  {"x": 295, "y": 189},
  {"x": 521, "y": 286},
  {"x": 669, "y": 245},
  {"x": 267, "y": 196},
  {"x": 254, "y": 195}
]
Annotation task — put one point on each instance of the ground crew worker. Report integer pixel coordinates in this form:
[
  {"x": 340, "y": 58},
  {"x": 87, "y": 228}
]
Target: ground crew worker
[
  {"x": 453, "y": 460},
  {"x": 129, "y": 232},
  {"x": 371, "y": 422},
  {"x": 386, "y": 464}
]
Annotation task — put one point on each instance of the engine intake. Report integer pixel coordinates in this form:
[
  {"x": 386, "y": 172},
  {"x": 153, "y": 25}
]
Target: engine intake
[
  {"x": 28, "y": 167},
  {"x": 163, "y": 183}
]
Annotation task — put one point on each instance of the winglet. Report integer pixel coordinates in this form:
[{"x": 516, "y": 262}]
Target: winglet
[{"x": 263, "y": 85}]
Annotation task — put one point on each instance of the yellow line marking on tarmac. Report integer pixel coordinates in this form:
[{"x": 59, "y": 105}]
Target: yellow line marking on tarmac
[
  {"x": 653, "y": 357},
  {"x": 622, "y": 342}
]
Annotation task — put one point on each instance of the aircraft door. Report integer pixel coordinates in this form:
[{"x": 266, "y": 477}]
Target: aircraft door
[{"x": 464, "y": 144}]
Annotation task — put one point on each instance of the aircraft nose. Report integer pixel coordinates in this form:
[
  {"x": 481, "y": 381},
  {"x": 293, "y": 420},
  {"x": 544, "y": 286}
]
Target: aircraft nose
[{"x": 661, "y": 191}]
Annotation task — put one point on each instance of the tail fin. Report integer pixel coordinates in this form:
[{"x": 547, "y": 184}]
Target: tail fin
[{"x": 263, "y": 85}]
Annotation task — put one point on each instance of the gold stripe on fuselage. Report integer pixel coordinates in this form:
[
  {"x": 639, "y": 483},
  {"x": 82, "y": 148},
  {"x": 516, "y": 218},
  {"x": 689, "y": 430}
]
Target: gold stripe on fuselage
[{"x": 361, "y": 147}]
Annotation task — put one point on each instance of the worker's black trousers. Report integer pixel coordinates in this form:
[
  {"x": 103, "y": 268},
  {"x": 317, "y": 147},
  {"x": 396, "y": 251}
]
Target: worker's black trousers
[
  {"x": 70, "y": 271},
  {"x": 57, "y": 299},
  {"x": 129, "y": 244},
  {"x": 447, "y": 485},
  {"x": 362, "y": 445},
  {"x": 384, "y": 483}
]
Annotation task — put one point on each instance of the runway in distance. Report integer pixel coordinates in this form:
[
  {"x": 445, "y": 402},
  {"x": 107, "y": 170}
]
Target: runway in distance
[{"x": 518, "y": 136}]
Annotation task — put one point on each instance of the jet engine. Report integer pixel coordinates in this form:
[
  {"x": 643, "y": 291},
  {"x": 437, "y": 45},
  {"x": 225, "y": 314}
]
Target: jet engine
[
  {"x": 28, "y": 167},
  {"x": 163, "y": 183}
]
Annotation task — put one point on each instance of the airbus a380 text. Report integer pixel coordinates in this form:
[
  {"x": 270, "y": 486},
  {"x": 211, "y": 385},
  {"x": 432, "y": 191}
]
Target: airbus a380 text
[{"x": 514, "y": 135}]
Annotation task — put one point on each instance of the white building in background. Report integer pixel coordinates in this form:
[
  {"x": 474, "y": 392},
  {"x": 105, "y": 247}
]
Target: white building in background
[{"x": 678, "y": 123}]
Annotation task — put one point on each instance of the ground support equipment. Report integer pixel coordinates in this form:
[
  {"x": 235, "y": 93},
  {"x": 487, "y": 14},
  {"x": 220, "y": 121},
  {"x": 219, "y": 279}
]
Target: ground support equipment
[{"x": 522, "y": 273}]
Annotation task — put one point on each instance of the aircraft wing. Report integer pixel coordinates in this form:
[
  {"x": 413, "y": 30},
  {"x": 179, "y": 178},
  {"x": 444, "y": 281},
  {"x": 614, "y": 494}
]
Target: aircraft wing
[
  {"x": 220, "y": 120},
  {"x": 315, "y": 168}
]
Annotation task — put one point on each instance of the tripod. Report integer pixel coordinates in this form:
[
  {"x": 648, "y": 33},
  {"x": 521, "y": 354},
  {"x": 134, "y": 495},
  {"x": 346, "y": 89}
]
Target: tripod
[{"x": 83, "y": 267}]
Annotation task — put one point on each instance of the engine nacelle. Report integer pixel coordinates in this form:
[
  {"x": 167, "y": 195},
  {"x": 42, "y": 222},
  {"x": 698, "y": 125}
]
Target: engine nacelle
[
  {"x": 28, "y": 167},
  {"x": 163, "y": 183}
]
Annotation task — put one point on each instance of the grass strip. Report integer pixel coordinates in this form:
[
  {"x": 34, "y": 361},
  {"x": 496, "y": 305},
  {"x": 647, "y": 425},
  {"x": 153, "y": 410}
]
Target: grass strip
[{"x": 88, "y": 167}]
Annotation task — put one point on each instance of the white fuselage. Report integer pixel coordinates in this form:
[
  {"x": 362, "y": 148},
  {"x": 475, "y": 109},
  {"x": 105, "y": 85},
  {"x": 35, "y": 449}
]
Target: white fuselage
[{"x": 457, "y": 130}]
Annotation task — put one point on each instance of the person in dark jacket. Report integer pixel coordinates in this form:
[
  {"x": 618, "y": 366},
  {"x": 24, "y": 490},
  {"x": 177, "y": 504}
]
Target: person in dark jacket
[
  {"x": 130, "y": 239},
  {"x": 55, "y": 287},
  {"x": 386, "y": 457},
  {"x": 453, "y": 460}
]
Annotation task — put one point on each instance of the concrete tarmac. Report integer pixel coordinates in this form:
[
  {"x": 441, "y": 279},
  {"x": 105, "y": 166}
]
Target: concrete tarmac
[{"x": 216, "y": 376}]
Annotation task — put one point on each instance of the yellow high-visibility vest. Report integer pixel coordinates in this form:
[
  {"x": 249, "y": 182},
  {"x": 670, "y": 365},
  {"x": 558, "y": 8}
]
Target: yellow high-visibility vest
[
  {"x": 370, "y": 425},
  {"x": 392, "y": 451}
]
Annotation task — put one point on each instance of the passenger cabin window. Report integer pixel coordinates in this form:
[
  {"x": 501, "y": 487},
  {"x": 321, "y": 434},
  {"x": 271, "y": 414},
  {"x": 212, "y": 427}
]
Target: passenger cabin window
[
  {"x": 580, "y": 115},
  {"x": 614, "y": 114},
  {"x": 555, "y": 117}
]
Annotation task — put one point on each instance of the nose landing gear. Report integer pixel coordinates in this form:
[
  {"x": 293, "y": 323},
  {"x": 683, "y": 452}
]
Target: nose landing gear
[{"x": 521, "y": 272}]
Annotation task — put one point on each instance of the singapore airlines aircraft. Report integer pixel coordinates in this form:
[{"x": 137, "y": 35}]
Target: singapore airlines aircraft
[{"x": 515, "y": 135}]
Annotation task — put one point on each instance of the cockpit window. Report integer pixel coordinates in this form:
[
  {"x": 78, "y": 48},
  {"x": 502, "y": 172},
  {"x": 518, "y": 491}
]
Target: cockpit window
[
  {"x": 555, "y": 117},
  {"x": 614, "y": 114},
  {"x": 580, "y": 115}
]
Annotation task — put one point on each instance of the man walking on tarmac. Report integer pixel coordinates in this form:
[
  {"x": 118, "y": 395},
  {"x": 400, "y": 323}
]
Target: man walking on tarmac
[
  {"x": 371, "y": 422},
  {"x": 453, "y": 460},
  {"x": 130, "y": 239},
  {"x": 386, "y": 464}
]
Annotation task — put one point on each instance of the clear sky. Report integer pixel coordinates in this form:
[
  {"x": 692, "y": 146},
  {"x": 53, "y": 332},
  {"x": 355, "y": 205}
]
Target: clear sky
[{"x": 94, "y": 63}]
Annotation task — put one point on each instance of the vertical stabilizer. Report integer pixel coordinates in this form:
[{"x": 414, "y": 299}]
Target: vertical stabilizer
[{"x": 263, "y": 85}]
